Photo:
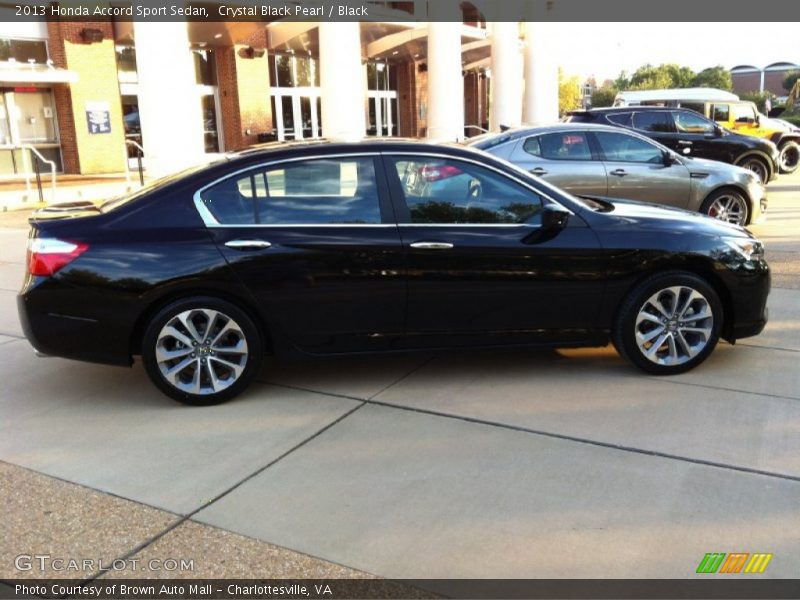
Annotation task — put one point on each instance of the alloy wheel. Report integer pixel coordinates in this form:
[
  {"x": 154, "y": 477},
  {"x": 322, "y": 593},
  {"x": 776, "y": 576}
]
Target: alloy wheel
[
  {"x": 757, "y": 167},
  {"x": 674, "y": 325},
  {"x": 790, "y": 157},
  {"x": 201, "y": 351},
  {"x": 730, "y": 208}
]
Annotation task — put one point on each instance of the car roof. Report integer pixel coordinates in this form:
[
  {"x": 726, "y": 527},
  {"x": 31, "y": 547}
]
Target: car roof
[
  {"x": 500, "y": 137},
  {"x": 332, "y": 146},
  {"x": 613, "y": 109}
]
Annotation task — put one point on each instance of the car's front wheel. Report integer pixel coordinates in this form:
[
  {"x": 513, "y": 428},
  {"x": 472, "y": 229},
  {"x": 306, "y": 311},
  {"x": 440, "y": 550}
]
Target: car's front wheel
[
  {"x": 669, "y": 323},
  {"x": 201, "y": 350},
  {"x": 727, "y": 205},
  {"x": 790, "y": 157}
]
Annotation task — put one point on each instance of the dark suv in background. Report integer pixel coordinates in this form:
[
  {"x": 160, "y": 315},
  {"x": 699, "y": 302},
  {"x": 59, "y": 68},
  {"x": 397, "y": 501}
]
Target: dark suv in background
[{"x": 690, "y": 133}]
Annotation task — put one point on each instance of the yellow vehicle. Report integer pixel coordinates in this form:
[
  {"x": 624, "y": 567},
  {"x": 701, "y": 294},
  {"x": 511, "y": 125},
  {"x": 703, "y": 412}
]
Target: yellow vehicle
[{"x": 743, "y": 117}]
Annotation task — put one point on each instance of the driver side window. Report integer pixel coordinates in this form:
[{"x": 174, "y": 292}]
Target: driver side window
[{"x": 445, "y": 191}]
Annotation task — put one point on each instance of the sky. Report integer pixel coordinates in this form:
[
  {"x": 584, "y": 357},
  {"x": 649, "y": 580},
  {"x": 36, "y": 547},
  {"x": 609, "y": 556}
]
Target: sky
[{"x": 604, "y": 49}]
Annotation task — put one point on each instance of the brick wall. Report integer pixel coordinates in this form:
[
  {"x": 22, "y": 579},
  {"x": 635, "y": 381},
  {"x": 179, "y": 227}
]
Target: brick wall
[
  {"x": 96, "y": 67},
  {"x": 244, "y": 88},
  {"x": 746, "y": 82}
]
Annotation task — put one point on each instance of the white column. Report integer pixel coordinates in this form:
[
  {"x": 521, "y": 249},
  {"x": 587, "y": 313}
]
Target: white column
[
  {"x": 445, "y": 83},
  {"x": 169, "y": 104},
  {"x": 540, "y": 105},
  {"x": 341, "y": 81},
  {"x": 506, "y": 102}
]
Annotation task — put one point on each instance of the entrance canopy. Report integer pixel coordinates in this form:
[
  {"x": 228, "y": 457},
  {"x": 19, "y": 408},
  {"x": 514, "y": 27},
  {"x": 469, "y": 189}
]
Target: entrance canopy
[{"x": 19, "y": 73}]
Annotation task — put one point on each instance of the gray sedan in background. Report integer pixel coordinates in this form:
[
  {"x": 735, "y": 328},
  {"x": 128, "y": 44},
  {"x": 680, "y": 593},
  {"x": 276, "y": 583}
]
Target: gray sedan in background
[{"x": 605, "y": 162}]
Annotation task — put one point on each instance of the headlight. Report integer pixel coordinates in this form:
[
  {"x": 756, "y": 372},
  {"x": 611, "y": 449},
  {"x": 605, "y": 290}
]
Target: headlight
[{"x": 748, "y": 248}]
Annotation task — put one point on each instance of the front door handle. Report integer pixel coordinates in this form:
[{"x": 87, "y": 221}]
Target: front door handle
[
  {"x": 538, "y": 171},
  {"x": 431, "y": 245},
  {"x": 684, "y": 142},
  {"x": 619, "y": 172},
  {"x": 248, "y": 244}
]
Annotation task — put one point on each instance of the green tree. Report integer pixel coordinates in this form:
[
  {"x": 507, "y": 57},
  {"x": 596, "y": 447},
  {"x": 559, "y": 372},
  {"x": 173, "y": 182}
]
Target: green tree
[
  {"x": 603, "y": 96},
  {"x": 790, "y": 79},
  {"x": 649, "y": 77},
  {"x": 622, "y": 82},
  {"x": 569, "y": 93},
  {"x": 714, "y": 77}
]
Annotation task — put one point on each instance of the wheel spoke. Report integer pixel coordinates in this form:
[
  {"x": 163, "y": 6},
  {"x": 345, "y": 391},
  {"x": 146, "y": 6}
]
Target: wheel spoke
[
  {"x": 237, "y": 369},
  {"x": 651, "y": 352},
  {"x": 174, "y": 371},
  {"x": 162, "y": 354},
  {"x": 673, "y": 350},
  {"x": 684, "y": 344},
  {"x": 170, "y": 331},
  {"x": 186, "y": 320},
  {"x": 646, "y": 337}
]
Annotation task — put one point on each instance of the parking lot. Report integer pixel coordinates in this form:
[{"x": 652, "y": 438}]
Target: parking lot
[{"x": 506, "y": 463}]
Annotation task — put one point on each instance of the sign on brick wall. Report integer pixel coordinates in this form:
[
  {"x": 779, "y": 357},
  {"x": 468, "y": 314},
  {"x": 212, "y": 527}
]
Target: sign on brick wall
[{"x": 98, "y": 118}]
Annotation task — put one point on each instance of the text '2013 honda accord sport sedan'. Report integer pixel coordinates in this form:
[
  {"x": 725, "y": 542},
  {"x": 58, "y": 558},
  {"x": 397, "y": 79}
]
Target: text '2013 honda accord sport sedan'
[{"x": 327, "y": 248}]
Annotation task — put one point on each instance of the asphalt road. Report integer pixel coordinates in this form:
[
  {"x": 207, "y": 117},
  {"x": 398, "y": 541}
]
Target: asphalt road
[{"x": 501, "y": 464}]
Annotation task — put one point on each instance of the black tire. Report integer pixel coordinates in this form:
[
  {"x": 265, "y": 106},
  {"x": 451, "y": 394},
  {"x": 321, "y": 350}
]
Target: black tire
[
  {"x": 790, "y": 157},
  {"x": 218, "y": 371},
  {"x": 758, "y": 166},
  {"x": 624, "y": 334},
  {"x": 710, "y": 207}
]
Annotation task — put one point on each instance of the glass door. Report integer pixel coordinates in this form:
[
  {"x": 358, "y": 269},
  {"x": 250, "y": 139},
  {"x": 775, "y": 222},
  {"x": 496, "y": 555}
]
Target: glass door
[{"x": 296, "y": 113}]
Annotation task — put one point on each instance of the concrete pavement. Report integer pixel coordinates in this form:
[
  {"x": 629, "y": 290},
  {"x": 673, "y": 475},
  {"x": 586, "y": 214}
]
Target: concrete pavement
[{"x": 512, "y": 463}]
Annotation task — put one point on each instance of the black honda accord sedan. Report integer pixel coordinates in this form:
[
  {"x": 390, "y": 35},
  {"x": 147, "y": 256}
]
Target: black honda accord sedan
[{"x": 325, "y": 248}]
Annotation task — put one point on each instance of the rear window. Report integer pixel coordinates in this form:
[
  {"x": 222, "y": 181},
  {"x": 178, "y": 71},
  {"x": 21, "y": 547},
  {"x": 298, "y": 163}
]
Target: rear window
[
  {"x": 577, "y": 118},
  {"x": 655, "y": 121}
]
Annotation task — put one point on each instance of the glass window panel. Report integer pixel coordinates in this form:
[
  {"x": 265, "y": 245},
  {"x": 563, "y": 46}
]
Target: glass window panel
[
  {"x": 627, "y": 148},
  {"x": 312, "y": 192},
  {"x": 571, "y": 145},
  {"x": 444, "y": 191}
]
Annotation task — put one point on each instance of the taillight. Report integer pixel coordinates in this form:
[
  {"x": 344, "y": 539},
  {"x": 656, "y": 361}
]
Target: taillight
[
  {"x": 48, "y": 255},
  {"x": 431, "y": 173}
]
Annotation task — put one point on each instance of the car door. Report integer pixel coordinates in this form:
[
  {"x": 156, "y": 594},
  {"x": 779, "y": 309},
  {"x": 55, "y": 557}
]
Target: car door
[
  {"x": 637, "y": 170},
  {"x": 658, "y": 126},
  {"x": 481, "y": 268},
  {"x": 563, "y": 158},
  {"x": 699, "y": 135},
  {"x": 315, "y": 241}
]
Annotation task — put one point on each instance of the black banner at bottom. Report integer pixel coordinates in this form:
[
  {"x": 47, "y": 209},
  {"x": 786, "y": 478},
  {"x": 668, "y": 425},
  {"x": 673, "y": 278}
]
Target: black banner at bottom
[{"x": 732, "y": 588}]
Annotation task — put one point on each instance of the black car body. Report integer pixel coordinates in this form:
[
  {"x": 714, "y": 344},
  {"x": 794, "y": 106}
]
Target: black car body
[
  {"x": 326, "y": 248},
  {"x": 688, "y": 132}
]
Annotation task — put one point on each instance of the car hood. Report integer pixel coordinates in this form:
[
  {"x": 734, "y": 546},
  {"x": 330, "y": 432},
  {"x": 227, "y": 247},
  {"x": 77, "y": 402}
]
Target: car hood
[{"x": 626, "y": 213}]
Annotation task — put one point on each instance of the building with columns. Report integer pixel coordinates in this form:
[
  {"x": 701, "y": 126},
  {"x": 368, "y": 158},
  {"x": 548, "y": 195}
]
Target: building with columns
[{"x": 89, "y": 94}]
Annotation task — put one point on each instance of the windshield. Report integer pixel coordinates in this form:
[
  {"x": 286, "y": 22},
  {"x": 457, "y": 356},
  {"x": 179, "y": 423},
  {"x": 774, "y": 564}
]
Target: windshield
[{"x": 156, "y": 184}]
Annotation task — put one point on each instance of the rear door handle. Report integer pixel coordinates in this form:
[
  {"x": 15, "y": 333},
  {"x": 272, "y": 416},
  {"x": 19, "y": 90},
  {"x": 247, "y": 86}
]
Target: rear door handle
[
  {"x": 619, "y": 172},
  {"x": 538, "y": 171},
  {"x": 684, "y": 142},
  {"x": 431, "y": 245},
  {"x": 248, "y": 244}
]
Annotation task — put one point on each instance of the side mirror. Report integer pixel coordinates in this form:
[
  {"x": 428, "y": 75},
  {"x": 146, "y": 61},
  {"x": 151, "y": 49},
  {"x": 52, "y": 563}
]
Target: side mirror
[
  {"x": 669, "y": 159},
  {"x": 718, "y": 131},
  {"x": 554, "y": 217},
  {"x": 758, "y": 120}
]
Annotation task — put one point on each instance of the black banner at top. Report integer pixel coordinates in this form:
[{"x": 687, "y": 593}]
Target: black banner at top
[{"x": 474, "y": 11}]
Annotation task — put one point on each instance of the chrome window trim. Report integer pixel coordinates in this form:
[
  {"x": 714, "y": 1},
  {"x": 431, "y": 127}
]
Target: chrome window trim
[{"x": 211, "y": 222}]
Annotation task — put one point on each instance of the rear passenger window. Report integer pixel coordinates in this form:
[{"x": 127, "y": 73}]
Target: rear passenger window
[
  {"x": 571, "y": 145},
  {"x": 655, "y": 121},
  {"x": 310, "y": 192},
  {"x": 623, "y": 118}
]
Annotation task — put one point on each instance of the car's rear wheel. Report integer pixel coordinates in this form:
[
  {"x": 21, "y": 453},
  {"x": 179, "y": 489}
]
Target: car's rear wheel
[
  {"x": 757, "y": 166},
  {"x": 727, "y": 205},
  {"x": 669, "y": 323},
  {"x": 790, "y": 157},
  {"x": 201, "y": 350}
]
